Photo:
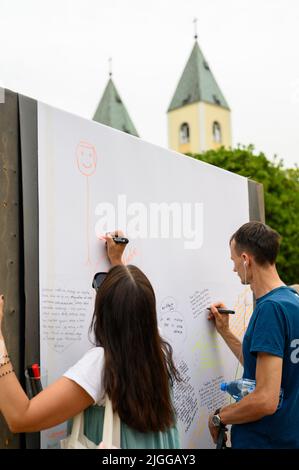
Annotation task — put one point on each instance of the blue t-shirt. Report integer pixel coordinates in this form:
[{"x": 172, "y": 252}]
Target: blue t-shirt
[{"x": 274, "y": 329}]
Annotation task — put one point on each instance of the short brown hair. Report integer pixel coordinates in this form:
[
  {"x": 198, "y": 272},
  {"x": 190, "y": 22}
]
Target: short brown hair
[{"x": 258, "y": 239}]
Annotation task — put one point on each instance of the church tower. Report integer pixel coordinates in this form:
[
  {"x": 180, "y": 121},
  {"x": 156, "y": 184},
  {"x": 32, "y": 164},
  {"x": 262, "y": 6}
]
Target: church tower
[
  {"x": 198, "y": 115},
  {"x": 112, "y": 112}
]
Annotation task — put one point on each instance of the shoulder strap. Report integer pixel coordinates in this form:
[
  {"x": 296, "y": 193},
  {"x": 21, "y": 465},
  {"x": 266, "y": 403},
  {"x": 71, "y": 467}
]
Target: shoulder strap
[
  {"x": 116, "y": 431},
  {"x": 77, "y": 428},
  {"x": 111, "y": 427}
]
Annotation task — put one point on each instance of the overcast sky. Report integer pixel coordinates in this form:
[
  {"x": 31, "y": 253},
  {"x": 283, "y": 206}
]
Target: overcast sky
[{"x": 57, "y": 51}]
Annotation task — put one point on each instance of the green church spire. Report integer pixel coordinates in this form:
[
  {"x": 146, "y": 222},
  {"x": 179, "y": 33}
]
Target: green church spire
[
  {"x": 197, "y": 83},
  {"x": 112, "y": 112}
]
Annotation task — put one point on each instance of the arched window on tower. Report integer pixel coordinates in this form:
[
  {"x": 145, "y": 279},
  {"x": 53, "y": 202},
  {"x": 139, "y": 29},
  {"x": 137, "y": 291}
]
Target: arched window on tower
[
  {"x": 184, "y": 133},
  {"x": 217, "y": 137}
]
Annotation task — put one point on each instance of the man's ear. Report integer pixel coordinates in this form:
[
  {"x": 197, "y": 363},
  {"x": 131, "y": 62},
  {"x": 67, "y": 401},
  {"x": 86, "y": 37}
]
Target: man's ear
[{"x": 245, "y": 259}]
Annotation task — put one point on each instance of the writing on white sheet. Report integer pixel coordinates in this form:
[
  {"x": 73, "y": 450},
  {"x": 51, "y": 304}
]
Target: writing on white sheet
[
  {"x": 210, "y": 395},
  {"x": 172, "y": 323},
  {"x": 185, "y": 400},
  {"x": 64, "y": 316},
  {"x": 200, "y": 300}
]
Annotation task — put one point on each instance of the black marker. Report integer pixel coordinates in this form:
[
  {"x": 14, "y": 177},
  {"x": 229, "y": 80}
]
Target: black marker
[
  {"x": 36, "y": 373},
  {"x": 223, "y": 310},
  {"x": 32, "y": 382},
  {"x": 121, "y": 240},
  {"x": 29, "y": 389}
]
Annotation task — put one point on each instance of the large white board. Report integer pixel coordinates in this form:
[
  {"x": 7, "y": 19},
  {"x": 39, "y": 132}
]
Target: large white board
[{"x": 82, "y": 166}]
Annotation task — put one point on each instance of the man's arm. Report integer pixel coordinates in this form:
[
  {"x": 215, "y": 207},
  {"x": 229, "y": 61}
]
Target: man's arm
[
  {"x": 234, "y": 344},
  {"x": 222, "y": 326},
  {"x": 264, "y": 399}
]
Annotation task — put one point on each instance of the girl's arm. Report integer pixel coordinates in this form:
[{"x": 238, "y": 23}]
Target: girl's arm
[{"x": 59, "y": 402}]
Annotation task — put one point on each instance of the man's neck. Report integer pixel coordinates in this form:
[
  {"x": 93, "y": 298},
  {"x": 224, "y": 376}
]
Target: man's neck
[{"x": 264, "y": 280}]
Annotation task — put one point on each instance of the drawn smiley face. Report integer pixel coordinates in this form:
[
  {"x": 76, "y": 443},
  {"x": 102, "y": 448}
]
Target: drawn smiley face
[{"x": 86, "y": 158}]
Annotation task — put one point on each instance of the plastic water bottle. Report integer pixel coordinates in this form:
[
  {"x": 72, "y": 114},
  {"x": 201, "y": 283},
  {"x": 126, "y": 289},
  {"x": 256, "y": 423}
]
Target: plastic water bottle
[{"x": 238, "y": 389}]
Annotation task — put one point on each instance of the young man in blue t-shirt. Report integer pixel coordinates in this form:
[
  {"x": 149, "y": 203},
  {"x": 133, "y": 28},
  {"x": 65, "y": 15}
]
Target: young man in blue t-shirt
[{"x": 270, "y": 349}]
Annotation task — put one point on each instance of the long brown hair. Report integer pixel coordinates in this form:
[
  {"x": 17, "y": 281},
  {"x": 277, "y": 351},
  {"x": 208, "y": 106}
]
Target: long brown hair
[{"x": 138, "y": 363}]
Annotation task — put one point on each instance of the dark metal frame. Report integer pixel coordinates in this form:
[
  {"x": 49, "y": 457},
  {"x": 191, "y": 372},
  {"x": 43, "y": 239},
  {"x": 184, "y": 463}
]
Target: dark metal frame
[{"x": 29, "y": 159}]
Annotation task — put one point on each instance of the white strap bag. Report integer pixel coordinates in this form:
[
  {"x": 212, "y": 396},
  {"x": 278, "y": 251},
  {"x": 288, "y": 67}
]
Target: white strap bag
[{"x": 111, "y": 431}]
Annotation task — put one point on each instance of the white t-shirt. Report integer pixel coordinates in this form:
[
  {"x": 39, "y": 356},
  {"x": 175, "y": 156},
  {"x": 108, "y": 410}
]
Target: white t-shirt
[{"x": 87, "y": 373}]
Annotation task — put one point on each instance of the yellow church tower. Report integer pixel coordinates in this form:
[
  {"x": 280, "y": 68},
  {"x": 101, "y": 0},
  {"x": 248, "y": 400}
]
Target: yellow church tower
[{"x": 198, "y": 115}]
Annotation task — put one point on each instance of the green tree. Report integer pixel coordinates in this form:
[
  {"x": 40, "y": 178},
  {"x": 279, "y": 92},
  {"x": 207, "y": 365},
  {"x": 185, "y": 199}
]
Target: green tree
[{"x": 281, "y": 190}]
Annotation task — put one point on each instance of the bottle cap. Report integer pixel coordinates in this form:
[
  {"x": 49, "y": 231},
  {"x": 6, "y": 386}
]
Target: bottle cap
[{"x": 223, "y": 386}]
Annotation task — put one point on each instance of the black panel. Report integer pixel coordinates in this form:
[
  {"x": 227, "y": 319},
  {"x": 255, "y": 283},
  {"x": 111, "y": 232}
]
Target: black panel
[{"x": 29, "y": 159}]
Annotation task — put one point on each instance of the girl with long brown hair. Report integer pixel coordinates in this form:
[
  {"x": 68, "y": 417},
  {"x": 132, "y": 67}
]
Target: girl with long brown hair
[{"x": 130, "y": 363}]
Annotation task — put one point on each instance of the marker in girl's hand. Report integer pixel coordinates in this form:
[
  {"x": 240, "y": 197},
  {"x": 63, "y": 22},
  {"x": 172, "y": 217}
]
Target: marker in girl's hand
[{"x": 120, "y": 240}]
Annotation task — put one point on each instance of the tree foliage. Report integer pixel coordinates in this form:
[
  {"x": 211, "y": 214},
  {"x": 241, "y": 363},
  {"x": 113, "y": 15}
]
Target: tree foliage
[{"x": 281, "y": 191}]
